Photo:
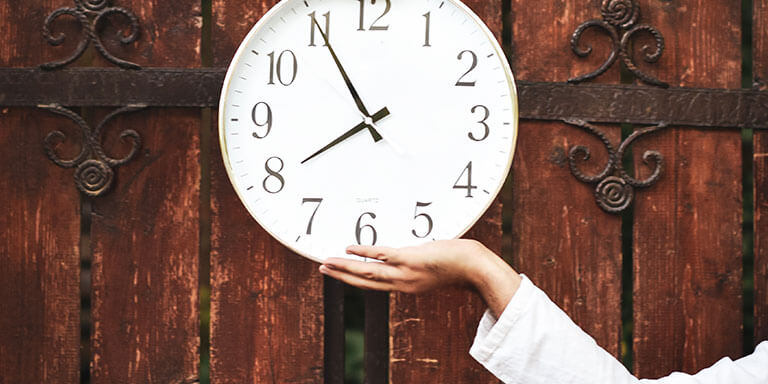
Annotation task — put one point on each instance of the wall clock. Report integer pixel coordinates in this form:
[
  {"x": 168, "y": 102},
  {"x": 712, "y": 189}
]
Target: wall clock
[{"x": 376, "y": 122}]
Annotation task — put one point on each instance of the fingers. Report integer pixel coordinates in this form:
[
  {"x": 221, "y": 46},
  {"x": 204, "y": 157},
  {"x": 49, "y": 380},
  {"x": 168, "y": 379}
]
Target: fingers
[
  {"x": 366, "y": 279},
  {"x": 385, "y": 254}
]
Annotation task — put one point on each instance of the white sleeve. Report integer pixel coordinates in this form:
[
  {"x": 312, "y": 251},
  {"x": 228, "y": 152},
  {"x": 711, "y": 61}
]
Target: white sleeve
[{"x": 535, "y": 342}]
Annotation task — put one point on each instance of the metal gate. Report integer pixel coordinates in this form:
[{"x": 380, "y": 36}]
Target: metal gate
[{"x": 629, "y": 174}]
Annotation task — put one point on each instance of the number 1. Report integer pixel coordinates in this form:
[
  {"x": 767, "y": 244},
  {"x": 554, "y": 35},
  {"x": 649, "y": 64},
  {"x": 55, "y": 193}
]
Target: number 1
[{"x": 426, "y": 37}]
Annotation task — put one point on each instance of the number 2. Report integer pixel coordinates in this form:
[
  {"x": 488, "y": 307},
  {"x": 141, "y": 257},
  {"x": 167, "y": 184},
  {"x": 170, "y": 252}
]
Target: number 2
[{"x": 461, "y": 83}]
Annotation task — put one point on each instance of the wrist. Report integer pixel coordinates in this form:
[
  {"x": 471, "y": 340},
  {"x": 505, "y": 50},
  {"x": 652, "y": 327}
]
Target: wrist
[{"x": 495, "y": 281}]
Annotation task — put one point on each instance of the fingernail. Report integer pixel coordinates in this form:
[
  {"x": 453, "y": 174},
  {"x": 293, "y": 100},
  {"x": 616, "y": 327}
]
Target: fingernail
[{"x": 323, "y": 269}]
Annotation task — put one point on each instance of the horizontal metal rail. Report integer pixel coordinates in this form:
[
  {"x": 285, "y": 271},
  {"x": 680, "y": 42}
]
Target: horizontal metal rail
[{"x": 599, "y": 103}]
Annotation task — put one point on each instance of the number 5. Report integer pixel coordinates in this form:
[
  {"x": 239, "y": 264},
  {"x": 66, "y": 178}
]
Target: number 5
[{"x": 416, "y": 215}]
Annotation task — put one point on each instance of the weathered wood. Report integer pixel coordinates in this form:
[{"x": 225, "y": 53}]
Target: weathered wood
[
  {"x": 687, "y": 233},
  {"x": 561, "y": 239},
  {"x": 266, "y": 304},
  {"x": 145, "y": 232},
  {"x": 760, "y": 61},
  {"x": 39, "y": 255},
  {"x": 40, "y": 223}
]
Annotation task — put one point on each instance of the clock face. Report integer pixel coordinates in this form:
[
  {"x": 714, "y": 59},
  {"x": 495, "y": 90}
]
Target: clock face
[{"x": 371, "y": 122}]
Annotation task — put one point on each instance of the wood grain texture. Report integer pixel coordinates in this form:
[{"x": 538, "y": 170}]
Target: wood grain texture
[
  {"x": 420, "y": 352},
  {"x": 39, "y": 255},
  {"x": 39, "y": 225},
  {"x": 145, "y": 232},
  {"x": 760, "y": 72},
  {"x": 687, "y": 233},
  {"x": 266, "y": 305},
  {"x": 561, "y": 239}
]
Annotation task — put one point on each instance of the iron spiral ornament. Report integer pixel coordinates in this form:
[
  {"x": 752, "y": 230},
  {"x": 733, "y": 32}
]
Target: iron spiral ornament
[
  {"x": 619, "y": 21},
  {"x": 615, "y": 189},
  {"x": 91, "y": 14},
  {"x": 94, "y": 170}
]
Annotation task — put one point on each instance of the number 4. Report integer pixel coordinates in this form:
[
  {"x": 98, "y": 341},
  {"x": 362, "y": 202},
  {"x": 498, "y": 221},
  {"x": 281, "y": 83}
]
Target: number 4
[{"x": 469, "y": 187}]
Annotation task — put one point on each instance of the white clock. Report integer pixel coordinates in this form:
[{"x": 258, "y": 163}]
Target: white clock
[{"x": 370, "y": 122}]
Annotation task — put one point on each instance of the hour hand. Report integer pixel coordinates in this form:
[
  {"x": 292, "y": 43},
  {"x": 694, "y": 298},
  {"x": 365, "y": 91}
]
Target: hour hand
[
  {"x": 356, "y": 96},
  {"x": 384, "y": 112}
]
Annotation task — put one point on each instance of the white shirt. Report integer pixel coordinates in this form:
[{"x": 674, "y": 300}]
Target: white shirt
[{"x": 535, "y": 342}]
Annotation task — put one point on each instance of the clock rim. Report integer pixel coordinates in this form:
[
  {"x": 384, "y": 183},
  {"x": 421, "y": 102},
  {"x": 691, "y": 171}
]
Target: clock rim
[{"x": 243, "y": 47}]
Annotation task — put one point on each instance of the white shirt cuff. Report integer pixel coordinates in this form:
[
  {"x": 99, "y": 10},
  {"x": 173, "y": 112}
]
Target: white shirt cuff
[{"x": 489, "y": 336}]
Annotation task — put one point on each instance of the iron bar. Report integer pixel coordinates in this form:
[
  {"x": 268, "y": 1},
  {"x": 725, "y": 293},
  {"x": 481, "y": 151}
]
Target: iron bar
[{"x": 597, "y": 103}]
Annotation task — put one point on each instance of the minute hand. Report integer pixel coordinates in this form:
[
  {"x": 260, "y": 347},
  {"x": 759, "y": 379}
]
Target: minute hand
[{"x": 352, "y": 90}]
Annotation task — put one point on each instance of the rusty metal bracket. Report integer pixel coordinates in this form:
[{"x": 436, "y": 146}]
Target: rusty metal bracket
[
  {"x": 620, "y": 18},
  {"x": 90, "y": 14},
  {"x": 93, "y": 173},
  {"x": 615, "y": 187},
  {"x": 200, "y": 88}
]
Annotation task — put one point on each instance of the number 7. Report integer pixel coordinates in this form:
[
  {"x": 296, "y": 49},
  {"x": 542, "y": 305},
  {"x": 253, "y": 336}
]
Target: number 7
[{"x": 312, "y": 218}]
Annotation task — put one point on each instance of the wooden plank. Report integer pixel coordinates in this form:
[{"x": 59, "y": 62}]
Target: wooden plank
[
  {"x": 561, "y": 239},
  {"x": 760, "y": 73},
  {"x": 687, "y": 247},
  {"x": 145, "y": 232},
  {"x": 40, "y": 224},
  {"x": 266, "y": 304}
]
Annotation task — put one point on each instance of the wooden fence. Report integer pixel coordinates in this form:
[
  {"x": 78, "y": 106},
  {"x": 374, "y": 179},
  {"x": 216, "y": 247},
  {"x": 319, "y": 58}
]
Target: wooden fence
[{"x": 273, "y": 317}]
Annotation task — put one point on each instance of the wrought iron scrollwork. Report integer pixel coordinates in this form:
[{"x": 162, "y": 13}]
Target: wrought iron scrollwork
[
  {"x": 619, "y": 19},
  {"x": 93, "y": 168},
  {"x": 91, "y": 14},
  {"x": 615, "y": 187}
]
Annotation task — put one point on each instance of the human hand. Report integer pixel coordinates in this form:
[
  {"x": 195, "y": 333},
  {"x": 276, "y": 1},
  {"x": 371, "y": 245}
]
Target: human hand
[{"x": 427, "y": 267}]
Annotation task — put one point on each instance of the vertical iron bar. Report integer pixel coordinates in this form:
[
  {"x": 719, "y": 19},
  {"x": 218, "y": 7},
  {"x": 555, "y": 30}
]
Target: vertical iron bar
[
  {"x": 333, "y": 297},
  {"x": 376, "y": 337}
]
